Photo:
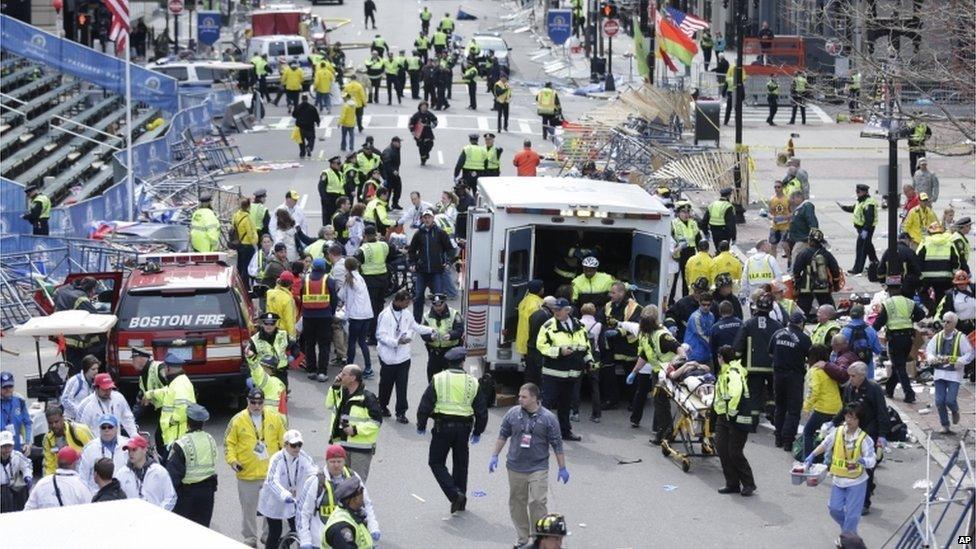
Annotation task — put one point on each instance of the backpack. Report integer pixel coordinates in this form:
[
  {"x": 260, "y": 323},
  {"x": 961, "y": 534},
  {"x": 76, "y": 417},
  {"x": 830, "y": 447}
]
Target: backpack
[
  {"x": 897, "y": 430},
  {"x": 859, "y": 343}
]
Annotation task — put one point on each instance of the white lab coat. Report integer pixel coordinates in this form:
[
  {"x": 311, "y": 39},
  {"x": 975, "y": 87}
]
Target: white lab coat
[
  {"x": 286, "y": 475},
  {"x": 75, "y": 391},
  {"x": 73, "y": 491},
  {"x": 356, "y": 298},
  {"x": 156, "y": 486},
  {"x": 92, "y": 408},
  {"x": 389, "y": 327},
  {"x": 94, "y": 451},
  {"x": 18, "y": 462},
  {"x": 309, "y": 523}
]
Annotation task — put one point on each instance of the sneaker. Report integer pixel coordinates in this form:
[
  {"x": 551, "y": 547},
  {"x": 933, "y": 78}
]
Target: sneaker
[
  {"x": 946, "y": 430},
  {"x": 312, "y": 375},
  {"x": 321, "y": 378},
  {"x": 865, "y": 511},
  {"x": 386, "y": 412},
  {"x": 573, "y": 438},
  {"x": 368, "y": 374},
  {"x": 402, "y": 419},
  {"x": 748, "y": 491},
  {"x": 634, "y": 425},
  {"x": 728, "y": 490},
  {"x": 574, "y": 416}
]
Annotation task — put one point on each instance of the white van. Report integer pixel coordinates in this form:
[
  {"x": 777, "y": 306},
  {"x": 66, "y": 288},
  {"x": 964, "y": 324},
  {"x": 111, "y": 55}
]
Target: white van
[
  {"x": 202, "y": 74},
  {"x": 522, "y": 227},
  {"x": 279, "y": 46}
]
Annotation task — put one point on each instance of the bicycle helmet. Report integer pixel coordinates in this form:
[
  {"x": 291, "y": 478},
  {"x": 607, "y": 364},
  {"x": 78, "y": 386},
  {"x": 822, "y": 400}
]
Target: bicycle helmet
[
  {"x": 552, "y": 524},
  {"x": 591, "y": 262}
]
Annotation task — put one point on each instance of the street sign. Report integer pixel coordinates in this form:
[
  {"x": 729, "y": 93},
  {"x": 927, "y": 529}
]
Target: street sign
[
  {"x": 559, "y": 23},
  {"x": 208, "y": 27},
  {"x": 176, "y": 7},
  {"x": 611, "y": 27}
]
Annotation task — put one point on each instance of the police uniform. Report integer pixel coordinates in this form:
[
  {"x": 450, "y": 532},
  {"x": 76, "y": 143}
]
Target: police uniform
[
  {"x": 899, "y": 314},
  {"x": 471, "y": 163},
  {"x": 621, "y": 349},
  {"x": 732, "y": 427},
  {"x": 39, "y": 213},
  {"x": 865, "y": 219},
  {"x": 269, "y": 350},
  {"x": 172, "y": 401},
  {"x": 686, "y": 236},
  {"x": 493, "y": 155},
  {"x": 373, "y": 256},
  {"x": 798, "y": 93},
  {"x": 547, "y": 104},
  {"x": 449, "y": 329},
  {"x": 719, "y": 219},
  {"x": 331, "y": 187},
  {"x": 459, "y": 410},
  {"x": 192, "y": 465},
  {"x": 347, "y": 528},
  {"x": 205, "y": 227}
]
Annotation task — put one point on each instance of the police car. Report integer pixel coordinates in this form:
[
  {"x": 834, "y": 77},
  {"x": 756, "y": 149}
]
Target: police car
[{"x": 191, "y": 304}]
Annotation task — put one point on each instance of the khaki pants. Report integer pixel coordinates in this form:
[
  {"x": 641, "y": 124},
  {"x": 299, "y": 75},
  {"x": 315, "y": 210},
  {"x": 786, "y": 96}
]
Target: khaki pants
[
  {"x": 797, "y": 248},
  {"x": 527, "y": 495},
  {"x": 359, "y": 462},
  {"x": 247, "y": 492},
  {"x": 339, "y": 342}
]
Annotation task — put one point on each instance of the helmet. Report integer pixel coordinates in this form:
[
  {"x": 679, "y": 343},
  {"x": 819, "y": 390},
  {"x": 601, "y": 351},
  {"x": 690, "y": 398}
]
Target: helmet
[
  {"x": 765, "y": 303},
  {"x": 701, "y": 284},
  {"x": 723, "y": 280},
  {"x": 590, "y": 262},
  {"x": 816, "y": 235},
  {"x": 552, "y": 524},
  {"x": 936, "y": 228},
  {"x": 961, "y": 277}
]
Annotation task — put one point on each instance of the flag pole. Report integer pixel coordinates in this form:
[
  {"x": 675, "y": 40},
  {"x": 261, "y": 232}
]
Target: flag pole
[{"x": 129, "y": 183}]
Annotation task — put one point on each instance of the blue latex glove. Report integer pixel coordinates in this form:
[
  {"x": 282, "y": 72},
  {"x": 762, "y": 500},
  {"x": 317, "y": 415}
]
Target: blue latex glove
[
  {"x": 493, "y": 464},
  {"x": 808, "y": 462},
  {"x": 375, "y": 536},
  {"x": 882, "y": 442},
  {"x": 862, "y": 462},
  {"x": 475, "y": 439},
  {"x": 632, "y": 287},
  {"x": 864, "y": 235},
  {"x": 289, "y": 500},
  {"x": 563, "y": 475},
  {"x": 611, "y": 333},
  {"x": 631, "y": 377},
  {"x": 421, "y": 432}
]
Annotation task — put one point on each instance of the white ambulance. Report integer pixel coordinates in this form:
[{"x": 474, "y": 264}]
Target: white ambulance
[{"x": 522, "y": 228}]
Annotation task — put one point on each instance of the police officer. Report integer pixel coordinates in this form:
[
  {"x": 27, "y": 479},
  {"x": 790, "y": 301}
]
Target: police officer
[
  {"x": 260, "y": 63},
  {"x": 920, "y": 133},
  {"x": 470, "y": 76},
  {"x": 899, "y": 314},
  {"x": 719, "y": 219},
  {"x": 789, "y": 349},
  {"x": 905, "y": 262},
  {"x": 414, "y": 64},
  {"x": 152, "y": 376},
  {"x": 547, "y": 105},
  {"x": 686, "y": 236},
  {"x": 446, "y": 25},
  {"x": 621, "y": 347},
  {"x": 39, "y": 211},
  {"x": 471, "y": 163},
  {"x": 259, "y": 213},
  {"x": 268, "y": 341},
  {"x": 459, "y": 410},
  {"x": 391, "y": 69},
  {"x": 565, "y": 346},
  {"x": 826, "y": 327},
  {"x": 772, "y": 98},
  {"x": 865, "y": 219},
  {"x": 493, "y": 154},
  {"x": 815, "y": 273},
  {"x": 374, "y": 71},
  {"x": 205, "y": 227},
  {"x": 192, "y": 465},
  {"x": 317, "y": 498},
  {"x": 331, "y": 187},
  {"x": 449, "y": 329},
  {"x": 502, "y": 92},
  {"x": 752, "y": 346},
  {"x": 798, "y": 93},
  {"x": 347, "y": 526},
  {"x": 171, "y": 401}
]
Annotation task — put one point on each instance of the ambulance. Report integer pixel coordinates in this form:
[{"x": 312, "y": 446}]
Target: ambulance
[{"x": 523, "y": 228}]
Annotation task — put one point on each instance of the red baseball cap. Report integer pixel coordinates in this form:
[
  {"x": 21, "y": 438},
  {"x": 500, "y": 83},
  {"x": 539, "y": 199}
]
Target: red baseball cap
[
  {"x": 137, "y": 441},
  {"x": 104, "y": 381},
  {"x": 286, "y": 277},
  {"x": 68, "y": 455},
  {"x": 335, "y": 451}
]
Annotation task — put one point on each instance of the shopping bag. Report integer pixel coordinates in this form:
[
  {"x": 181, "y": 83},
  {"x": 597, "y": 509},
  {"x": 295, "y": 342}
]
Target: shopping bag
[{"x": 296, "y": 135}]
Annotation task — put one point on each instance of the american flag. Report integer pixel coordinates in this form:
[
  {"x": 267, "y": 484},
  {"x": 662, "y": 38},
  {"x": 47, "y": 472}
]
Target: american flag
[
  {"x": 119, "y": 32},
  {"x": 687, "y": 23}
]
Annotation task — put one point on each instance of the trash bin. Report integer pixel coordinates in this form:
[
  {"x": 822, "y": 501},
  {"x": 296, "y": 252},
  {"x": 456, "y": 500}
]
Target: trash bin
[
  {"x": 707, "y": 121},
  {"x": 598, "y": 67}
]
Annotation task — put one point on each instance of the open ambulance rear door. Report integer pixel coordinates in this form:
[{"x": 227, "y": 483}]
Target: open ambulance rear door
[
  {"x": 477, "y": 281},
  {"x": 647, "y": 268}
]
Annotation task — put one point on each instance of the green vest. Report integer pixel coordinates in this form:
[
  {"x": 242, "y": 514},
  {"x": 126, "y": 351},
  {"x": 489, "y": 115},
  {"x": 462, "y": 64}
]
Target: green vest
[
  {"x": 278, "y": 349},
  {"x": 938, "y": 252},
  {"x": 260, "y": 65},
  {"x": 367, "y": 165},
  {"x": 413, "y": 63},
  {"x": 502, "y": 92},
  {"x": 261, "y": 262},
  {"x": 374, "y": 258},
  {"x": 546, "y": 101},
  {"x": 716, "y": 212},
  {"x": 316, "y": 58},
  {"x": 685, "y": 233},
  {"x": 446, "y": 25},
  {"x": 493, "y": 162},
  {"x": 257, "y": 215},
  {"x": 363, "y": 538},
  {"x": 391, "y": 67},
  {"x": 154, "y": 378},
  {"x": 378, "y": 43},
  {"x": 819, "y": 335},
  {"x": 333, "y": 182},
  {"x": 204, "y": 230},
  {"x": 729, "y": 392},
  {"x": 856, "y": 82},
  {"x": 954, "y": 352},
  {"x": 316, "y": 249},
  {"x": 443, "y": 326},
  {"x": 649, "y": 347},
  {"x": 899, "y": 309},
  {"x": 860, "y": 206},
  {"x": 374, "y": 69},
  {"x": 425, "y": 15},
  {"x": 792, "y": 186},
  {"x": 707, "y": 41},
  {"x": 422, "y": 43},
  {"x": 470, "y": 74},
  {"x": 45, "y": 204},
  {"x": 343, "y": 232},
  {"x": 200, "y": 452},
  {"x": 772, "y": 87},
  {"x": 328, "y": 504},
  {"x": 358, "y": 415},
  {"x": 172, "y": 417},
  {"x": 440, "y": 39},
  {"x": 918, "y": 132},
  {"x": 455, "y": 391},
  {"x": 800, "y": 83},
  {"x": 474, "y": 157}
]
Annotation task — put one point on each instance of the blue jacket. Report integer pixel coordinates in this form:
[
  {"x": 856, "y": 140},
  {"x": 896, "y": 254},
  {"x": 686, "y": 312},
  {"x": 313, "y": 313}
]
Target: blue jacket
[
  {"x": 15, "y": 418},
  {"x": 697, "y": 334},
  {"x": 873, "y": 342}
]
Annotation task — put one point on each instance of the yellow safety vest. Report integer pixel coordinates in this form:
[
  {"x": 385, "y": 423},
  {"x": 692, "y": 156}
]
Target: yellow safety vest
[
  {"x": 366, "y": 165},
  {"x": 257, "y": 212},
  {"x": 546, "y": 101},
  {"x": 455, "y": 391},
  {"x": 317, "y": 300},
  {"x": 367, "y": 429},
  {"x": 684, "y": 232},
  {"x": 260, "y": 65},
  {"x": 446, "y": 25},
  {"x": 628, "y": 313},
  {"x": 440, "y": 39},
  {"x": 551, "y": 338},
  {"x": 154, "y": 378},
  {"x": 327, "y": 505},
  {"x": 899, "y": 309},
  {"x": 200, "y": 452},
  {"x": 425, "y": 15},
  {"x": 954, "y": 353},
  {"x": 819, "y": 335},
  {"x": 730, "y": 388},
  {"x": 800, "y": 84},
  {"x": 493, "y": 162},
  {"x": 840, "y": 458},
  {"x": 860, "y": 206},
  {"x": 938, "y": 251},
  {"x": 599, "y": 284},
  {"x": 792, "y": 186},
  {"x": 343, "y": 231},
  {"x": 716, "y": 212},
  {"x": 474, "y": 157},
  {"x": 502, "y": 92},
  {"x": 364, "y": 540},
  {"x": 760, "y": 271},
  {"x": 45, "y": 205},
  {"x": 443, "y": 326},
  {"x": 374, "y": 258},
  {"x": 649, "y": 347},
  {"x": 333, "y": 182},
  {"x": 172, "y": 401},
  {"x": 205, "y": 231}
]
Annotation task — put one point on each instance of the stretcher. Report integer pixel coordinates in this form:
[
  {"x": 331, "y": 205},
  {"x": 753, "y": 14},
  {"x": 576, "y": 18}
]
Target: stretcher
[{"x": 692, "y": 396}]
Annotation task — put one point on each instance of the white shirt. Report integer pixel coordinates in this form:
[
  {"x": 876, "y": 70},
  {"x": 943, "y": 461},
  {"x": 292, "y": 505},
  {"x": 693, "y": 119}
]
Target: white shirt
[
  {"x": 747, "y": 289},
  {"x": 633, "y": 328},
  {"x": 411, "y": 215},
  {"x": 72, "y": 490},
  {"x": 92, "y": 408},
  {"x": 94, "y": 451},
  {"x": 18, "y": 462},
  {"x": 964, "y": 306},
  {"x": 296, "y": 213},
  {"x": 156, "y": 487},
  {"x": 356, "y": 298},
  {"x": 309, "y": 524},
  {"x": 390, "y": 326},
  {"x": 356, "y": 231},
  {"x": 338, "y": 273},
  {"x": 286, "y": 475},
  {"x": 965, "y": 356},
  {"x": 75, "y": 391}
]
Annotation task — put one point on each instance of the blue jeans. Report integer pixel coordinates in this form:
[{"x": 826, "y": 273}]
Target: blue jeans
[
  {"x": 945, "y": 397},
  {"x": 447, "y": 283},
  {"x": 323, "y": 100},
  {"x": 358, "y": 331},
  {"x": 348, "y": 133},
  {"x": 845, "y": 506},
  {"x": 813, "y": 424},
  {"x": 422, "y": 281}
]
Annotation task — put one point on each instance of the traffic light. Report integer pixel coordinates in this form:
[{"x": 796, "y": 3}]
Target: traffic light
[
  {"x": 609, "y": 10},
  {"x": 82, "y": 19}
]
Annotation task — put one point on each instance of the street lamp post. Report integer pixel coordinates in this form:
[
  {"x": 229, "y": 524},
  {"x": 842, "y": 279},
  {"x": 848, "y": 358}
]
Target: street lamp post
[{"x": 739, "y": 16}]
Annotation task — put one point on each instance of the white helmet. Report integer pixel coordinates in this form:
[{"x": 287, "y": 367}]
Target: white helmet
[{"x": 590, "y": 263}]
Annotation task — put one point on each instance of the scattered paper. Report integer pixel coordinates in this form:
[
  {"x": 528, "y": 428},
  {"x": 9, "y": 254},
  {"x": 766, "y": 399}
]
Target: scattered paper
[
  {"x": 670, "y": 487},
  {"x": 418, "y": 498},
  {"x": 479, "y": 493},
  {"x": 922, "y": 484}
]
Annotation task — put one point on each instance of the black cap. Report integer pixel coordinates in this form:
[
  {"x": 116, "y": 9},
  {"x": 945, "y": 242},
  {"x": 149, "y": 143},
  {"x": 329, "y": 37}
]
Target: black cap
[
  {"x": 437, "y": 299},
  {"x": 472, "y": 137},
  {"x": 205, "y": 197},
  {"x": 31, "y": 187},
  {"x": 256, "y": 393},
  {"x": 491, "y": 135},
  {"x": 456, "y": 354},
  {"x": 335, "y": 158},
  {"x": 370, "y": 230},
  {"x": 863, "y": 188},
  {"x": 962, "y": 222},
  {"x": 260, "y": 193},
  {"x": 140, "y": 351},
  {"x": 268, "y": 318},
  {"x": 397, "y": 139},
  {"x": 726, "y": 192}
]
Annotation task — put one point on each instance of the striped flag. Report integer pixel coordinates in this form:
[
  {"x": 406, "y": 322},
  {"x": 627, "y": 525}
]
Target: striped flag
[
  {"x": 688, "y": 24},
  {"x": 119, "y": 31}
]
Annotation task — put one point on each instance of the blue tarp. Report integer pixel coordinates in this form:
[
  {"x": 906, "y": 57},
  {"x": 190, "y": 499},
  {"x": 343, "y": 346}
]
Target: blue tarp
[{"x": 72, "y": 58}]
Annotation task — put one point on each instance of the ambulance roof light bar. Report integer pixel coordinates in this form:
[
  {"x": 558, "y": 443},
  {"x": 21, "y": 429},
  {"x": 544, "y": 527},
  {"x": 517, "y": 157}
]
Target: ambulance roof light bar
[{"x": 182, "y": 258}]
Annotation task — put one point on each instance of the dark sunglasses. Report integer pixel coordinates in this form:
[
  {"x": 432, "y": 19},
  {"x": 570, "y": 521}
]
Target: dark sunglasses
[
  {"x": 107, "y": 427},
  {"x": 256, "y": 400},
  {"x": 296, "y": 445}
]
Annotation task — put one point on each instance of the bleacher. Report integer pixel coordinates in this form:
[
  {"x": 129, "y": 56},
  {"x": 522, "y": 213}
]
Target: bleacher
[{"x": 61, "y": 132}]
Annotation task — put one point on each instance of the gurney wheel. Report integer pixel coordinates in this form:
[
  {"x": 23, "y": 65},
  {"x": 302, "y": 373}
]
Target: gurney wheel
[
  {"x": 685, "y": 465},
  {"x": 707, "y": 448},
  {"x": 665, "y": 448}
]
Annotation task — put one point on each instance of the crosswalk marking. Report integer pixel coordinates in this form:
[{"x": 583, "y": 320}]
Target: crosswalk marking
[
  {"x": 482, "y": 124},
  {"x": 459, "y": 122},
  {"x": 524, "y": 127}
]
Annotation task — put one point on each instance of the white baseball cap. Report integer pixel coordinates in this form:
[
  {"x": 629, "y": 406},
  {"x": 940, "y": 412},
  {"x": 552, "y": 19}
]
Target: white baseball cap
[
  {"x": 6, "y": 437},
  {"x": 293, "y": 436}
]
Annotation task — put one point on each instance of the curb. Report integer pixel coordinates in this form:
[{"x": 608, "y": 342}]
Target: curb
[{"x": 938, "y": 455}]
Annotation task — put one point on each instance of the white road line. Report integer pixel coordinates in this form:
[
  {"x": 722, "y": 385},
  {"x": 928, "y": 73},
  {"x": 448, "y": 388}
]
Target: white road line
[
  {"x": 483, "y": 123},
  {"x": 402, "y": 121},
  {"x": 367, "y": 118},
  {"x": 328, "y": 132},
  {"x": 442, "y": 121},
  {"x": 304, "y": 200},
  {"x": 524, "y": 127},
  {"x": 440, "y": 158},
  {"x": 820, "y": 113},
  {"x": 321, "y": 155},
  {"x": 283, "y": 123},
  {"x": 420, "y": 499}
]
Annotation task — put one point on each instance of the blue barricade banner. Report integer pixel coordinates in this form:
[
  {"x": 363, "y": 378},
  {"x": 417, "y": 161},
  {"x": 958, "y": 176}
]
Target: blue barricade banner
[
  {"x": 208, "y": 26},
  {"x": 13, "y": 204},
  {"x": 72, "y": 58}
]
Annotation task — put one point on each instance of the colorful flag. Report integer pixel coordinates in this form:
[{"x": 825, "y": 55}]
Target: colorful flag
[
  {"x": 119, "y": 31},
  {"x": 688, "y": 23},
  {"x": 676, "y": 43},
  {"x": 659, "y": 41}
]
